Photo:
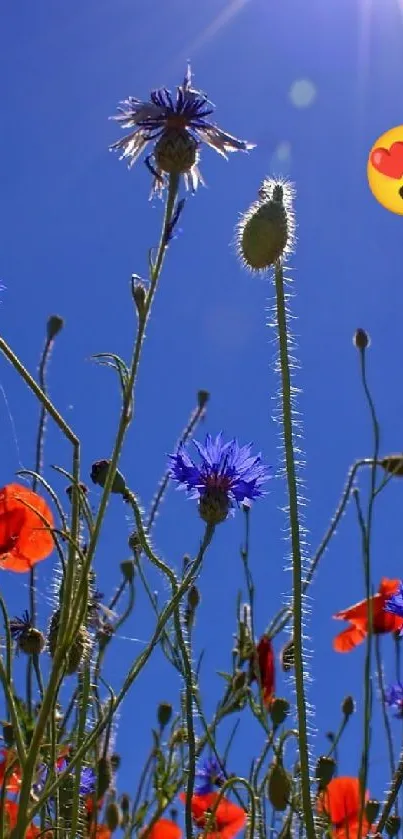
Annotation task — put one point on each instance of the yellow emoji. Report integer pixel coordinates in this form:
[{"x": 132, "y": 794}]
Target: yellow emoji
[{"x": 385, "y": 170}]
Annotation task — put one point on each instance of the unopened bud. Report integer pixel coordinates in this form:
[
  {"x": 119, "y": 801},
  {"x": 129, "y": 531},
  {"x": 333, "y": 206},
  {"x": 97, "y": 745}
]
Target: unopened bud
[
  {"x": 127, "y": 568},
  {"x": 164, "y": 713},
  {"x": 8, "y": 735},
  {"x": 348, "y": 706},
  {"x": 31, "y": 641},
  {"x": 372, "y": 808},
  {"x": 193, "y": 598},
  {"x": 139, "y": 294},
  {"x": 361, "y": 339},
  {"x": 393, "y": 464},
  {"x": 134, "y": 542},
  {"x": 99, "y": 471},
  {"x": 325, "y": 769},
  {"x": 203, "y": 397},
  {"x": 69, "y": 490},
  {"x": 115, "y": 760},
  {"x": 54, "y": 326},
  {"x": 279, "y": 710},
  {"x": 278, "y": 786},
  {"x": 392, "y": 826},
  {"x": 112, "y": 816},
  {"x": 239, "y": 681},
  {"x": 287, "y": 656},
  {"x": 266, "y": 228},
  {"x": 105, "y": 775},
  {"x": 124, "y": 802}
]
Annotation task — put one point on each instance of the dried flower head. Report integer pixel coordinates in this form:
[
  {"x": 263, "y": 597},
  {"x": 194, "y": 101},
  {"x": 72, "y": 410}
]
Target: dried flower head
[
  {"x": 265, "y": 233},
  {"x": 227, "y": 476},
  {"x": 179, "y": 125}
]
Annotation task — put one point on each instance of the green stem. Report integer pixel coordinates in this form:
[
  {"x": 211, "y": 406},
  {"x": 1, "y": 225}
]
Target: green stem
[{"x": 296, "y": 548}]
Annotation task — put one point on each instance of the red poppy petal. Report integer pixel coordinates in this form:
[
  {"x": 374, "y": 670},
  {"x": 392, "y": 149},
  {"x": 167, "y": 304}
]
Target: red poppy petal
[
  {"x": 165, "y": 829},
  {"x": 341, "y": 800},
  {"x": 347, "y": 640},
  {"x": 388, "y": 587}
]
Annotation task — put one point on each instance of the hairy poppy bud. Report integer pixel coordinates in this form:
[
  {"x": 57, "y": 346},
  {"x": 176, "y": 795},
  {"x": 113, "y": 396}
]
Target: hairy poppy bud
[
  {"x": 287, "y": 656},
  {"x": 348, "y": 706},
  {"x": 127, "y": 568},
  {"x": 202, "y": 398},
  {"x": 124, "y": 802},
  {"x": 176, "y": 151},
  {"x": 393, "y": 464},
  {"x": 31, "y": 641},
  {"x": 164, "y": 713},
  {"x": 265, "y": 230},
  {"x": 361, "y": 339},
  {"x": 278, "y": 786},
  {"x": 179, "y": 736},
  {"x": 325, "y": 769},
  {"x": 69, "y": 490},
  {"x": 112, "y": 816},
  {"x": 279, "y": 710},
  {"x": 392, "y": 826},
  {"x": 79, "y": 648},
  {"x": 214, "y": 506},
  {"x": 99, "y": 471},
  {"x": 193, "y": 598},
  {"x": 105, "y": 774},
  {"x": 115, "y": 760},
  {"x": 54, "y": 326},
  {"x": 371, "y": 810}
]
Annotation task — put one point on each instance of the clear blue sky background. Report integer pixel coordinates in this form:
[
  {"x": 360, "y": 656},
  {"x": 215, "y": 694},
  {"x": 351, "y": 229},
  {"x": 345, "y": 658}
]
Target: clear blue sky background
[{"x": 75, "y": 224}]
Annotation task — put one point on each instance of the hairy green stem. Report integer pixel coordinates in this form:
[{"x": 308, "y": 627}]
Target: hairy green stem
[{"x": 295, "y": 547}]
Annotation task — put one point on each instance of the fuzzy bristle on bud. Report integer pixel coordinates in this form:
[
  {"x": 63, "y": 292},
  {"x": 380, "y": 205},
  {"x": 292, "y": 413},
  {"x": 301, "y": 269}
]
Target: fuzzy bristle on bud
[
  {"x": 175, "y": 151},
  {"x": 265, "y": 232}
]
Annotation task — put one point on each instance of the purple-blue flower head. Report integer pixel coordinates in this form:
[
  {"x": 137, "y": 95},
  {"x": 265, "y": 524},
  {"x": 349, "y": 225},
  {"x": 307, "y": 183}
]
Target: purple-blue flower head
[
  {"x": 227, "y": 475},
  {"x": 208, "y": 776},
  {"x": 394, "y": 698},
  {"x": 179, "y": 125},
  {"x": 395, "y": 603}
]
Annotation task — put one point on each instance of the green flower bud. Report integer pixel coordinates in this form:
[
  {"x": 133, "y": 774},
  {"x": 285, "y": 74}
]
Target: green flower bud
[
  {"x": 279, "y": 710},
  {"x": 372, "y": 808},
  {"x": 54, "y": 326},
  {"x": 193, "y": 598},
  {"x": 361, "y": 339},
  {"x": 325, "y": 769},
  {"x": 278, "y": 786},
  {"x": 8, "y": 735},
  {"x": 31, "y": 641},
  {"x": 99, "y": 471},
  {"x": 127, "y": 568},
  {"x": 239, "y": 681},
  {"x": 287, "y": 656},
  {"x": 105, "y": 776},
  {"x": 176, "y": 151},
  {"x": 115, "y": 761},
  {"x": 203, "y": 397},
  {"x": 139, "y": 294},
  {"x": 393, "y": 464},
  {"x": 112, "y": 816},
  {"x": 124, "y": 803},
  {"x": 265, "y": 230},
  {"x": 78, "y": 650},
  {"x": 348, "y": 706},
  {"x": 164, "y": 713},
  {"x": 392, "y": 826}
]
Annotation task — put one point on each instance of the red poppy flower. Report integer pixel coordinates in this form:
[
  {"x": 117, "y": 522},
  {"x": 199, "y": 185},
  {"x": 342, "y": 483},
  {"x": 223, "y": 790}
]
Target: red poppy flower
[
  {"x": 228, "y": 820},
  {"x": 14, "y": 778},
  {"x": 357, "y": 616},
  {"x": 164, "y": 829},
  {"x": 24, "y": 538},
  {"x": 350, "y": 830},
  {"x": 265, "y": 657},
  {"x": 341, "y": 801},
  {"x": 101, "y": 832}
]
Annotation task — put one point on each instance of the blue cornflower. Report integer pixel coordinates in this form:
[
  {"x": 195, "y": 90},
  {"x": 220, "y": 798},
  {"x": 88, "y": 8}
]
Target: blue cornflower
[
  {"x": 395, "y": 603},
  {"x": 179, "y": 126},
  {"x": 87, "y": 781},
  {"x": 87, "y": 777},
  {"x": 394, "y": 698},
  {"x": 208, "y": 776},
  {"x": 227, "y": 476}
]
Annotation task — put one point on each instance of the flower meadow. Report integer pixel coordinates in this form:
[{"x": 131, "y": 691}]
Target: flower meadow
[{"x": 59, "y": 756}]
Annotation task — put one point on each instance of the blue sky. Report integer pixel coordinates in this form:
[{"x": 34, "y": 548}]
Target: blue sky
[{"x": 76, "y": 224}]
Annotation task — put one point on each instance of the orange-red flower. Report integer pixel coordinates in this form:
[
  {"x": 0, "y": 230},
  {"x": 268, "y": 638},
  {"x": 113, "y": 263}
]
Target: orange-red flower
[
  {"x": 24, "y": 537},
  {"x": 11, "y": 815},
  {"x": 228, "y": 820},
  {"x": 13, "y": 782},
  {"x": 164, "y": 829},
  {"x": 341, "y": 802},
  {"x": 101, "y": 832},
  {"x": 266, "y": 662},
  {"x": 357, "y": 616}
]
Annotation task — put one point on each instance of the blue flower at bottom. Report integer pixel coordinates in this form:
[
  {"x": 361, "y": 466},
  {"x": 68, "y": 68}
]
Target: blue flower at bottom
[
  {"x": 227, "y": 475},
  {"x": 395, "y": 603},
  {"x": 394, "y": 698},
  {"x": 208, "y": 776}
]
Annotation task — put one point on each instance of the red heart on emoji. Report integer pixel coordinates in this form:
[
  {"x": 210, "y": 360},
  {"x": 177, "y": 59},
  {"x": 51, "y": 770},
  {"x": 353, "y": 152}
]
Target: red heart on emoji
[{"x": 389, "y": 162}]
